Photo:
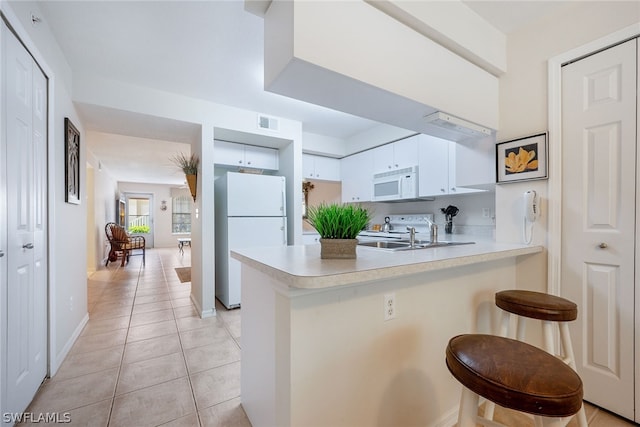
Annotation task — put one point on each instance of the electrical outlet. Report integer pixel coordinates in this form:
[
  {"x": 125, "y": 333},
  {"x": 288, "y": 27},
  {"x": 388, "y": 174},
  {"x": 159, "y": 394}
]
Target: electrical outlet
[
  {"x": 486, "y": 212},
  {"x": 389, "y": 306}
]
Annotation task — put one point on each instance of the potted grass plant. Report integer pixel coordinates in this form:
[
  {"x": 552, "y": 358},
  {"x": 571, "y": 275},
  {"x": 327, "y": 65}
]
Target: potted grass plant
[
  {"x": 188, "y": 165},
  {"x": 338, "y": 226}
]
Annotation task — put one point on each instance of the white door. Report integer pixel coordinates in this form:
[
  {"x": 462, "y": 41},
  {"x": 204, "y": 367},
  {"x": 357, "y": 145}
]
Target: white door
[
  {"x": 255, "y": 195},
  {"x": 139, "y": 218},
  {"x": 26, "y": 293},
  {"x": 598, "y": 220}
]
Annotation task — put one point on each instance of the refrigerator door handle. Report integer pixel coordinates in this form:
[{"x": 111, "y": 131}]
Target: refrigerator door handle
[{"x": 284, "y": 230}]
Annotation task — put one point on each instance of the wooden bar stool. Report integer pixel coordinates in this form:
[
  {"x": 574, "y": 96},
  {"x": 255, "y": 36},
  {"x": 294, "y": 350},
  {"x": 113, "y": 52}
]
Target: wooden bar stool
[
  {"x": 552, "y": 311},
  {"x": 515, "y": 375}
]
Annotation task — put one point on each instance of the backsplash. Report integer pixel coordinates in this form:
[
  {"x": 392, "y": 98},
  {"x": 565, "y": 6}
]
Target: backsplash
[{"x": 469, "y": 220}]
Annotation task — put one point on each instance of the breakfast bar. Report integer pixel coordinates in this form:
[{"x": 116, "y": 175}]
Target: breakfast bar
[{"x": 361, "y": 342}]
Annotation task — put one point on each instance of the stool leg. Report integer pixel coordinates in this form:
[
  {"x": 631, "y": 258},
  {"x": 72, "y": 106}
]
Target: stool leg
[
  {"x": 567, "y": 348},
  {"x": 468, "y": 412},
  {"x": 504, "y": 325},
  {"x": 569, "y": 358},
  {"x": 489, "y": 406},
  {"x": 547, "y": 332},
  {"x": 522, "y": 323}
]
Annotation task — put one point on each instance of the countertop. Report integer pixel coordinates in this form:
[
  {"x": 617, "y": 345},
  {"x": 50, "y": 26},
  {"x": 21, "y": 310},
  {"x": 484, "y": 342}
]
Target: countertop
[{"x": 301, "y": 267}]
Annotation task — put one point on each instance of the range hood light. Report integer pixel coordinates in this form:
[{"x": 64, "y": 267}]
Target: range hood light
[{"x": 456, "y": 124}]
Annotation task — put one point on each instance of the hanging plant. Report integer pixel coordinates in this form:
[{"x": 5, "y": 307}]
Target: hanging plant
[{"x": 188, "y": 165}]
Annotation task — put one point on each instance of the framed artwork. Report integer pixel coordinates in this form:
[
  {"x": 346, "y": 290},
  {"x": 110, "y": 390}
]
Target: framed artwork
[
  {"x": 522, "y": 159},
  {"x": 72, "y": 162}
]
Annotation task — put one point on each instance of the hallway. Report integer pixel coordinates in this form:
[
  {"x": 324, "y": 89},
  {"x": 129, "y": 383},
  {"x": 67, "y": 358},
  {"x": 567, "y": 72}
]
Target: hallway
[{"x": 145, "y": 358}]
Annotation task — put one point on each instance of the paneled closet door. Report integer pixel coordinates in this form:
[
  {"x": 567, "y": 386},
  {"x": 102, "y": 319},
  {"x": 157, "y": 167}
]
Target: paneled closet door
[
  {"x": 599, "y": 218},
  {"x": 25, "y": 118}
]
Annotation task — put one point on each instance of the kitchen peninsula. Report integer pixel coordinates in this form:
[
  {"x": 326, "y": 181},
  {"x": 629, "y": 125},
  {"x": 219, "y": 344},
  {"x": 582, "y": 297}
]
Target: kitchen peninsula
[{"x": 318, "y": 351}]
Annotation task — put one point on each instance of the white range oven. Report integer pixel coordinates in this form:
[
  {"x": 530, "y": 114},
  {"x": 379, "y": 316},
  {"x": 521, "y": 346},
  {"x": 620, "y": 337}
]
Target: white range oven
[{"x": 399, "y": 224}]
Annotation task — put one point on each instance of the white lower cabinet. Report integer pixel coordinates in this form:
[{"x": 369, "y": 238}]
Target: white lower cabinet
[{"x": 310, "y": 238}]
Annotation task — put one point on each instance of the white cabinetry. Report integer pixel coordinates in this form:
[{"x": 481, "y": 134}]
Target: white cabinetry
[
  {"x": 441, "y": 170},
  {"x": 357, "y": 176},
  {"x": 433, "y": 166},
  {"x": 396, "y": 155},
  {"x": 310, "y": 238},
  {"x": 320, "y": 167},
  {"x": 241, "y": 155}
]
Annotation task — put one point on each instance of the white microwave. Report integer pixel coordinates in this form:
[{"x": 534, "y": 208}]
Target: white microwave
[{"x": 397, "y": 184}]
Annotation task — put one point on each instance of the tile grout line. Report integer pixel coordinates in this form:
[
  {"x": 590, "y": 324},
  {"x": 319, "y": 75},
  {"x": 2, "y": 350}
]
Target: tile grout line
[
  {"x": 113, "y": 397},
  {"x": 184, "y": 358}
]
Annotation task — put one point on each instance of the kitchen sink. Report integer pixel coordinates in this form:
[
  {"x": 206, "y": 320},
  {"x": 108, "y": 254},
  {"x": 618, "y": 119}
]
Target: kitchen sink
[
  {"x": 403, "y": 245},
  {"x": 386, "y": 245}
]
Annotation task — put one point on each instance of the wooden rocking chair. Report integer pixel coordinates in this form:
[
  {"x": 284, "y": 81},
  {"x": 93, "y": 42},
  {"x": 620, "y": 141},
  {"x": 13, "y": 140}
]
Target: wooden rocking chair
[{"x": 122, "y": 244}]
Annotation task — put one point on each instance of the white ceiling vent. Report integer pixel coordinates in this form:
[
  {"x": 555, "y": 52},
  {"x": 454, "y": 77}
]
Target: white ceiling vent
[
  {"x": 265, "y": 122},
  {"x": 456, "y": 126}
]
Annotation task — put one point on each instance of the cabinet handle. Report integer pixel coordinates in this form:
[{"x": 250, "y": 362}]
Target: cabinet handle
[
  {"x": 28, "y": 246},
  {"x": 603, "y": 245},
  {"x": 249, "y": 162},
  {"x": 453, "y": 188},
  {"x": 442, "y": 189},
  {"x": 1, "y": 254},
  {"x": 240, "y": 161}
]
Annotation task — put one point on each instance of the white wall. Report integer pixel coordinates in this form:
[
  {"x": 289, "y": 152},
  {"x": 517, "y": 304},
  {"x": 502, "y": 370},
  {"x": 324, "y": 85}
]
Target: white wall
[
  {"x": 524, "y": 105},
  {"x": 105, "y": 193}
]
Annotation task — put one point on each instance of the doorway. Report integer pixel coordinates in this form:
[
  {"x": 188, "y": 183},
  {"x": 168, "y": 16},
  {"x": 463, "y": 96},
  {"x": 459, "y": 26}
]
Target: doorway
[
  {"x": 593, "y": 220},
  {"x": 139, "y": 215},
  {"x": 23, "y": 147}
]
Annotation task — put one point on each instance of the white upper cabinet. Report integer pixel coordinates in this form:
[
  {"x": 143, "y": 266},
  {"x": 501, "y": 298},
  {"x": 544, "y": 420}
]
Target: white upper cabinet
[
  {"x": 357, "y": 177},
  {"x": 433, "y": 166},
  {"x": 440, "y": 169},
  {"x": 459, "y": 174},
  {"x": 241, "y": 155},
  {"x": 396, "y": 155},
  {"x": 320, "y": 167}
]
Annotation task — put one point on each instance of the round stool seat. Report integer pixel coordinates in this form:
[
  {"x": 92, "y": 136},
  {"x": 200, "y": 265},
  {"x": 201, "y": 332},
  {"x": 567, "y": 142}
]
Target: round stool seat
[
  {"x": 537, "y": 305},
  {"x": 514, "y": 375}
]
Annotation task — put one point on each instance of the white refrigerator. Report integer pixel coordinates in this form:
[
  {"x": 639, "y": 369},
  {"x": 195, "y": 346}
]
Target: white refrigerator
[{"x": 250, "y": 211}]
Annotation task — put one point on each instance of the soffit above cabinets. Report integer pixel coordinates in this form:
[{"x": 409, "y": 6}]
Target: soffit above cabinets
[{"x": 354, "y": 65}]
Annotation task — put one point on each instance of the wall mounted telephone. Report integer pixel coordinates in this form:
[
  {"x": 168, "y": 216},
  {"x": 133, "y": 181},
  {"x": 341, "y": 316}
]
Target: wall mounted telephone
[
  {"x": 531, "y": 213},
  {"x": 531, "y": 205}
]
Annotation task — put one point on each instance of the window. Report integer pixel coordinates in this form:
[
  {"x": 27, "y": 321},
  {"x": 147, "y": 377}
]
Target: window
[{"x": 181, "y": 215}]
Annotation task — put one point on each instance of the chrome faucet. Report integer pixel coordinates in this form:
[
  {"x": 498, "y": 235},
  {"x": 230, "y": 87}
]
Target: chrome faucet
[
  {"x": 412, "y": 236},
  {"x": 433, "y": 229}
]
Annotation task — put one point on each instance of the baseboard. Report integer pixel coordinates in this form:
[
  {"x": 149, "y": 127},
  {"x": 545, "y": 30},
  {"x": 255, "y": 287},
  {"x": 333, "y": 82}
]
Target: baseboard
[
  {"x": 202, "y": 314},
  {"x": 54, "y": 365}
]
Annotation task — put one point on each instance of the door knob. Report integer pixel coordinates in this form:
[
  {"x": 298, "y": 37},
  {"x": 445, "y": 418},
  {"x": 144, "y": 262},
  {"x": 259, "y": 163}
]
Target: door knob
[
  {"x": 603, "y": 245},
  {"x": 28, "y": 246}
]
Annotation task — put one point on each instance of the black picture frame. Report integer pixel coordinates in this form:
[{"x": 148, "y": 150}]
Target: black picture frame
[
  {"x": 522, "y": 159},
  {"x": 71, "y": 163}
]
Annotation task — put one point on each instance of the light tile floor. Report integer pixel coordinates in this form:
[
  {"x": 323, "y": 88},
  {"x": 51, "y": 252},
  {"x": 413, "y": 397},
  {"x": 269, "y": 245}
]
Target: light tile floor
[
  {"x": 145, "y": 358},
  {"x": 596, "y": 417}
]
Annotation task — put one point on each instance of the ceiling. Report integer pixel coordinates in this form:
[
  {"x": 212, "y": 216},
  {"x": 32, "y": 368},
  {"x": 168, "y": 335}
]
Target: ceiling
[{"x": 212, "y": 50}]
